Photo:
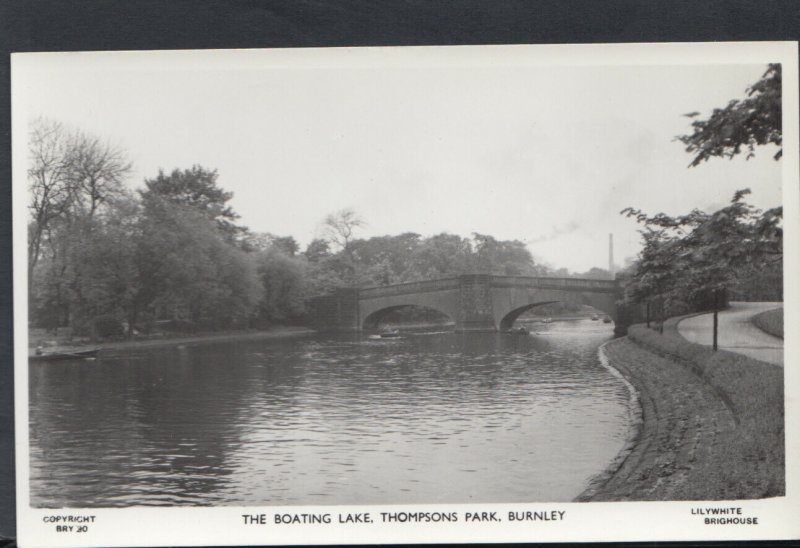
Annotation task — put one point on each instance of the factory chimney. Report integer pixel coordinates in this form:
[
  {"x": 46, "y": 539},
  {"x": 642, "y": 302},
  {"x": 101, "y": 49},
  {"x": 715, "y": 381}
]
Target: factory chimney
[{"x": 611, "y": 254}]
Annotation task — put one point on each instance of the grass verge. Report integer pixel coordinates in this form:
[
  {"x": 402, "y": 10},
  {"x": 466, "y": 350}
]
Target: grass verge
[
  {"x": 751, "y": 459},
  {"x": 770, "y": 321}
]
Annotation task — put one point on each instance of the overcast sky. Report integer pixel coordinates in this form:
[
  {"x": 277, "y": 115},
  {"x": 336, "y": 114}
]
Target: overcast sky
[{"x": 540, "y": 152}]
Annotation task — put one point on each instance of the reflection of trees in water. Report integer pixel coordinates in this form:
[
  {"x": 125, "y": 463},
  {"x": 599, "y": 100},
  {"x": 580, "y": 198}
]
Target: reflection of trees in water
[{"x": 163, "y": 423}]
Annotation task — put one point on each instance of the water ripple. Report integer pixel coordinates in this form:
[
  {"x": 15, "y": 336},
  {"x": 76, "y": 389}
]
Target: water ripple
[{"x": 434, "y": 418}]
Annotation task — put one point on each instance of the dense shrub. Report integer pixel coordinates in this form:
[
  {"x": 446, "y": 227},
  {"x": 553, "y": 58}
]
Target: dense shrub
[
  {"x": 146, "y": 322},
  {"x": 108, "y": 326}
]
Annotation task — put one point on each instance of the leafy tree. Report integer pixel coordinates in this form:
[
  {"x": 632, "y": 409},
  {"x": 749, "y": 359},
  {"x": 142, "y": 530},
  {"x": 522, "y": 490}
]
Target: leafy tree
[
  {"x": 286, "y": 244},
  {"x": 504, "y": 258},
  {"x": 688, "y": 256},
  {"x": 439, "y": 256},
  {"x": 742, "y": 124},
  {"x": 326, "y": 274},
  {"x": 317, "y": 250},
  {"x": 384, "y": 259},
  {"x": 283, "y": 280},
  {"x": 196, "y": 188},
  {"x": 187, "y": 269}
]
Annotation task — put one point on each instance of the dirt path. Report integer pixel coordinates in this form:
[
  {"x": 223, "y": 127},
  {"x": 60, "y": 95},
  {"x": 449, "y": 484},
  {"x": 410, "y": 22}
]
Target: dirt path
[
  {"x": 736, "y": 332},
  {"x": 677, "y": 444}
]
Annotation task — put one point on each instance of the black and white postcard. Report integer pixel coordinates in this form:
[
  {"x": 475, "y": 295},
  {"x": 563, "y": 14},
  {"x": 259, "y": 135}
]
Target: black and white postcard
[{"x": 407, "y": 294}]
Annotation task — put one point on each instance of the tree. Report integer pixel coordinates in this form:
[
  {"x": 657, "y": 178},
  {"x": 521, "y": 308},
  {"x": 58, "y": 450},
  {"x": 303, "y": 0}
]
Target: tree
[
  {"x": 283, "y": 280},
  {"x": 96, "y": 171},
  {"x": 743, "y": 123},
  {"x": 48, "y": 183},
  {"x": 73, "y": 179},
  {"x": 438, "y": 256},
  {"x": 504, "y": 258},
  {"x": 286, "y": 244},
  {"x": 317, "y": 250},
  {"x": 340, "y": 227},
  {"x": 690, "y": 256},
  {"x": 384, "y": 259},
  {"x": 187, "y": 269},
  {"x": 197, "y": 188}
]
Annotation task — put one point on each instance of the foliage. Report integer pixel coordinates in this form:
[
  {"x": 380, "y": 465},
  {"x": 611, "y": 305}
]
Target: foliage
[
  {"x": 97, "y": 252},
  {"x": 504, "y": 258},
  {"x": 317, "y": 250},
  {"x": 742, "y": 124},
  {"x": 283, "y": 280},
  {"x": 108, "y": 326},
  {"x": 737, "y": 247},
  {"x": 197, "y": 189},
  {"x": 690, "y": 254},
  {"x": 188, "y": 269}
]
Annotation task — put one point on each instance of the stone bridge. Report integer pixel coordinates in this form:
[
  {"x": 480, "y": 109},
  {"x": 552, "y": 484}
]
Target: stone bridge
[{"x": 474, "y": 302}]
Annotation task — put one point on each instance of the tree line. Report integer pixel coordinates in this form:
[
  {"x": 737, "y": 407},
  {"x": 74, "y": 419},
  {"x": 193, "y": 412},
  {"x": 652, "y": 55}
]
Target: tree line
[{"x": 107, "y": 261}]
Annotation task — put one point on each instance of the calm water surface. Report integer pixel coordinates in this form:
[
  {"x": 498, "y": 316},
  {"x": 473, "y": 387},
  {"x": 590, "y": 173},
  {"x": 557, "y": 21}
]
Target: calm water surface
[{"x": 330, "y": 420}]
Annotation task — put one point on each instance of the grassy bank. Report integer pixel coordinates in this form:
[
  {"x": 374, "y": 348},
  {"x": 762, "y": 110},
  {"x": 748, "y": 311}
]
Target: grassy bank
[
  {"x": 770, "y": 321},
  {"x": 712, "y": 423}
]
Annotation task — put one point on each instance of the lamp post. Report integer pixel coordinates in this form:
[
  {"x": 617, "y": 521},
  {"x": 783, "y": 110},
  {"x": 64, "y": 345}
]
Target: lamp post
[{"x": 716, "y": 319}]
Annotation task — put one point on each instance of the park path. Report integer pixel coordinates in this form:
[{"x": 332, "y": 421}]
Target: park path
[{"x": 736, "y": 332}]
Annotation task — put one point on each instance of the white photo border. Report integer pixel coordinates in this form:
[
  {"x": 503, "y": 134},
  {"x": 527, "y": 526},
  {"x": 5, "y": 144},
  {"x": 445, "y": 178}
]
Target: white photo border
[{"x": 624, "y": 521}]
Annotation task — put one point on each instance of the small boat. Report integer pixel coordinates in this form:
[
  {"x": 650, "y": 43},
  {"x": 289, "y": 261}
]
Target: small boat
[
  {"x": 595, "y": 317},
  {"x": 606, "y": 319},
  {"x": 390, "y": 334},
  {"x": 55, "y": 356}
]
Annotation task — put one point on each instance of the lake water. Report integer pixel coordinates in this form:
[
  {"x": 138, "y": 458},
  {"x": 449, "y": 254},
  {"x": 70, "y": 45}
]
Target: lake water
[{"x": 427, "y": 418}]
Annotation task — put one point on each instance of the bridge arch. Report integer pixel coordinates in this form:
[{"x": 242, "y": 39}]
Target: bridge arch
[
  {"x": 511, "y": 304},
  {"x": 507, "y": 321},
  {"x": 374, "y": 319}
]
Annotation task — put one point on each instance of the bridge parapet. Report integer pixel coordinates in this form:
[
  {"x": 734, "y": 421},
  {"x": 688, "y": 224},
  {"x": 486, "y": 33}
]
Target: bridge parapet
[
  {"x": 409, "y": 288},
  {"x": 577, "y": 284}
]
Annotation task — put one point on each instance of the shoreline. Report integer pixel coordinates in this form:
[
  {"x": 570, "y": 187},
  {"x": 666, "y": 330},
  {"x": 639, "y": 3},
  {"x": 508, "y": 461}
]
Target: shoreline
[
  {"x": 276, "y": 333},
  {"x": 634, "y": 434},
  {"x": 702, "y": 435}
]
